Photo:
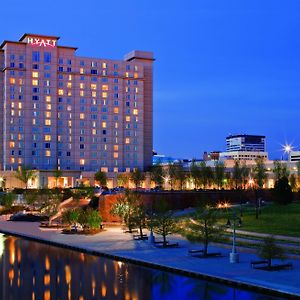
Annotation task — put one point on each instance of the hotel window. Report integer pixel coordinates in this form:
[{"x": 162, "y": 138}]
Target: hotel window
[
  {"x": 93, "y": 86},
  {"x": 103, "y": 124},
  {"x": 127, "y": 118},
  {"x": 47, "y": 57},
  {"x": 135, "y": 75},
  {"x": 69, "y": 61},
  {"x": 94, "y": 94},
  {"x": 116, "y": 110},
  {"x": 48, "y": 114},
  {"x": 135, "y": 111},
  {"x": 35, "y": 74},
  {"x": 104, "y": 95},
  {"x": 69, "y": 85},
  {"x": 104, "y": 87},
  {"x": 104, "y": 65},
  {"x": 81, "y": 85},
  {"x": 81, "y": 70},
  {"x": 81, "y": 116},
  {"x": 12, "y": 80},
  {"x": 48, "y": 106},
  {"x": 116, "y": 125},
  {"x": 93, "y": 64},
  {"x": 47, "y": 122},
  {"x": 81, "y": 93},
  {"x": 47, "y": 153},
  {"x": 127, "y": 140},
  {"x": 35, "y": 56},
  {"x": 116, "y": 147},
  {"x": 60, "y": 92},
  {"x": 116, "y": 154},
  {"x": 94, "y": 131},
  {"x": 81, "y": 63},
  {"x": 126, "y": 74},
  {"x": 47, "y": 137},
  {"x": 48, "y": 99}
]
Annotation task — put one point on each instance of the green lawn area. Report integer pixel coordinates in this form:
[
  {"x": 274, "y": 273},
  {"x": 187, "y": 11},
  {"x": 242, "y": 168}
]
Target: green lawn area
[{"x": 274, "y": 219}]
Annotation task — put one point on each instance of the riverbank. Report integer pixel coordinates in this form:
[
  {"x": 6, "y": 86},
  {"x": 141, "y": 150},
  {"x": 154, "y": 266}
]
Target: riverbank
[{"x": 115, "y": 244}]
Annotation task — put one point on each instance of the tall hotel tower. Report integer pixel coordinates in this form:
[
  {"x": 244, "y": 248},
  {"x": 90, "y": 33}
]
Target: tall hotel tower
[{"x": 62, "y": 111}]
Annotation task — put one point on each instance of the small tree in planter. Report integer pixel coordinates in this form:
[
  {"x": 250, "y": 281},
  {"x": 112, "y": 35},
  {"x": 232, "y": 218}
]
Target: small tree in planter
[
  {"x": 269, "y": 250},
  {"x": 93, "y": 219},
  {"x": 202, "y": 227},
  {"x": 71, "y": 216},
  {"x": 101, "y": 178},
  {"x": 163, "y": 221}
]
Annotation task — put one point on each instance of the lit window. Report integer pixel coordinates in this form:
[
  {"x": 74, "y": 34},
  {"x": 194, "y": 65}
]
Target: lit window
[
  {"x": 35, "y": 74},
  {"x": 81, "y": 162},
  {"x": 60, "y": 92},
  {"x": 47, "y": 153},
  {"x": 47, "y": 122},
  {"x": 81, "y": 93},
  {"x": 48, "y": 114},
  {"x": 104, "y": 65},
  {"x": 103, "y": 124},
  {"x": 93, "y": 86},
  {"x": 11, "y": 144},
  {"x": 135, "y": 75},
  {"x": 20, "y": 105},
  {"x": 127, "y": 118},
  {"x": 35, "y": 82},
  {"x": 81, "y": 116},
  {"x": 94, "y": 131},
  {"x": 81, "y": 70},
  {"x": 47, "y": 137},
  {"x": 12, "y": 80},
  {"x": 116, "y": 147},
  {"x": 48, "y": 106},
  {"x": 104, "y": 87},
  {"x": 104, "y": 169},
  {"x": 48, "y": 98},
  {"x": 116, "y": 110},
  {"x": 69, "y": 93},
  {"x": 70, "y": 77},
  {"x": 33, "y": 121},
  {"x": 81, "y": 85},
  {"x": 135, "y": 111},
  {"x": 94, "y": 94},
  {"x": 127, "y": 140},
  {"x": 116, "y": 125},
  {"x": 104, "y": 95},
  {"x": 69, "y": 123},
  {"x": 69, "y": 85},
  {"x": 126, "y": 74},
  {"x": 12, "y": 160},
  {"x": 116, "y": 154}
]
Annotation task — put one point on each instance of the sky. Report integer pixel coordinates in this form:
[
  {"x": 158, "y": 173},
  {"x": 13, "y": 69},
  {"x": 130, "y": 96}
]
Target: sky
[{"x": 222, "y": 67}]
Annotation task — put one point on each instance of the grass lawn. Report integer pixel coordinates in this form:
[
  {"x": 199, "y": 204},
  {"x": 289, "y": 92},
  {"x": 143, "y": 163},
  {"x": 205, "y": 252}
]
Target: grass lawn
[{"x": 274, "y": 219}]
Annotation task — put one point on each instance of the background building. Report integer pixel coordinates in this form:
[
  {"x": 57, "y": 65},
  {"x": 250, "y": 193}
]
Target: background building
[
  {"x": 62, "y": 111},
  {"x": 246, "y": 142}
]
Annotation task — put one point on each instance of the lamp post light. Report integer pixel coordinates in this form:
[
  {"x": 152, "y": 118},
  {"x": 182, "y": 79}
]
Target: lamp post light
[
  {"x": 287, "y": 148},
  {"x": 234, "y": 257}
]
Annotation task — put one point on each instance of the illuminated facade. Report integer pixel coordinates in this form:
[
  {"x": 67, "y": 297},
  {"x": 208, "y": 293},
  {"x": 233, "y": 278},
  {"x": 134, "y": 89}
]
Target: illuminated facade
[{"x": 62, "y": 111}]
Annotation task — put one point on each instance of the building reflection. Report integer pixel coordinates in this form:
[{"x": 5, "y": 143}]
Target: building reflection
[{"x": 31, "y": 270}]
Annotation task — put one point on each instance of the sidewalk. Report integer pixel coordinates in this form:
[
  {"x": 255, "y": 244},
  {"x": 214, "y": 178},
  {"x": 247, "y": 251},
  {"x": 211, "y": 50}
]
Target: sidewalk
[{"x": 115, "y": 243}]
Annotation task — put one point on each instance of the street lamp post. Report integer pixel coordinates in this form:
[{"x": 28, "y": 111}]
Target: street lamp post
[{"x": 234, "y": 257}]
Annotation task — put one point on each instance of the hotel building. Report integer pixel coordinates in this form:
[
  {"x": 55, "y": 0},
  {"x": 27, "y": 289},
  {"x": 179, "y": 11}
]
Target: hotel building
[{"x": 63, "y": 111}]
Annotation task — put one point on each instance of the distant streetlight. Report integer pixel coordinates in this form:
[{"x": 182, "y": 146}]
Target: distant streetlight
[
  {"x": 287, "y": 148},
  {"x": 234, "y": 257}
]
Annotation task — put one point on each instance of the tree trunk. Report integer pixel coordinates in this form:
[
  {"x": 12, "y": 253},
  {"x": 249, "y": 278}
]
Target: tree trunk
[{"x": 141, "y": 231}]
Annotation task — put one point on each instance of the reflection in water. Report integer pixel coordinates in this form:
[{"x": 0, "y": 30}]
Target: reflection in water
[{"x": 30, "y": 270}]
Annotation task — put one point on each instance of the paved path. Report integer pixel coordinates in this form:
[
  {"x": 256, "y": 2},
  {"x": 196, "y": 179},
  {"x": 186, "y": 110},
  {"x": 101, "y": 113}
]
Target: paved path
[{"x": 114, "y": 242}]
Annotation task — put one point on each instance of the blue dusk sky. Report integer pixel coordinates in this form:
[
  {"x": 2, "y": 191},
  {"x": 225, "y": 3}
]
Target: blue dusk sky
[{"x": 222, "y": 67}]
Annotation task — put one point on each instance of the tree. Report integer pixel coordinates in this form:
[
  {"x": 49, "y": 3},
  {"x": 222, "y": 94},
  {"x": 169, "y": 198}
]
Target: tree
[
  {"x": 163, "y": 221},
  {"x": 282, "y": 191},
  {"x": 245, "y": 172},
  {"x": 293, "y": 182},
  {"x": 172, "y": 176},
  {"x": 25, "y": 174},
  {"x": 203, "y": 227},
  {"x": 137, "y": 176},
  {"x": 128, "y": 207},
  {"x": 280, "y": 170},
  {"x": 260, "y": 175},
  {"x": 123, "y": 179},
  {"x": 180, "y": 175},
  {"x": 101, "y": 178},
  {"x": 57, "y": 174},
  {"x": 237, "y": 174},
  {"x": 93, "y": 219},
  {"x": 157, "y": 174},
  {"x": 195, "y": 174},
  {"x": 219, "y": 174},
  {"x": 298, "y": 172},
  {"x": 207, "y": 174},
  {"x": 269, "y": 250},
  {"x": 7, "y": 200}
]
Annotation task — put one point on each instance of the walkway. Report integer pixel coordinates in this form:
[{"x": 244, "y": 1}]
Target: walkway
[{"x": 114, "y": 242}]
